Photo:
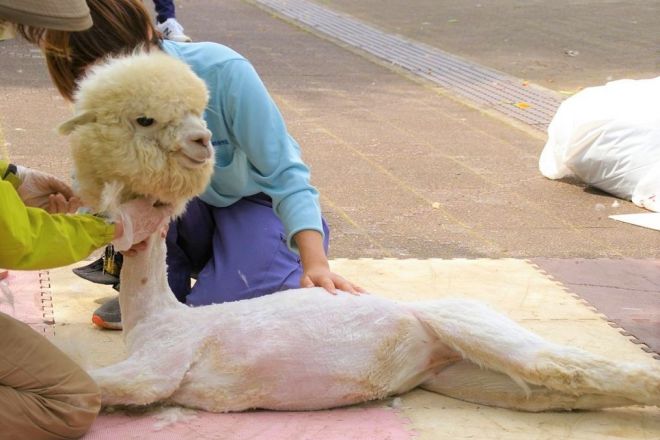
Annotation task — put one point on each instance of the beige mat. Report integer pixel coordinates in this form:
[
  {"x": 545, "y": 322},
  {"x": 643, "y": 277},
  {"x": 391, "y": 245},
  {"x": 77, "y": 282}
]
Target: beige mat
[{"x": 514, "y": 287}]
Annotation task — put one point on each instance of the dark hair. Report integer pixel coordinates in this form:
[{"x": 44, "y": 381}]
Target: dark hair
[{"x": 119, "y": 27}]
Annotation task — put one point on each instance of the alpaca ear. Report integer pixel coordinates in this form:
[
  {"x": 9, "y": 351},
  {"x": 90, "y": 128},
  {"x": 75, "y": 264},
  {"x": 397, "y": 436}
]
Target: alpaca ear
[{"x": 84, "y": 118}]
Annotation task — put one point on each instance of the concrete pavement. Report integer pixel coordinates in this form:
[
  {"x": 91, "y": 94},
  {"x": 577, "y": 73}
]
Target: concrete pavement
[
  {"x": 404, "y": 169},
  {"x": 385, "y": 149},
  {"x": 560, "y": 44}
]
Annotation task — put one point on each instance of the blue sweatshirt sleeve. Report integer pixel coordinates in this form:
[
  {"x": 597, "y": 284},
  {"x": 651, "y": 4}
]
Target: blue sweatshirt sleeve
[{"x": 274, "y": 160}]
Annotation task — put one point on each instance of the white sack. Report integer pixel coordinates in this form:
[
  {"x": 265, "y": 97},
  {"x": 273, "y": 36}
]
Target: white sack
[{"x": 609, "y": 137}]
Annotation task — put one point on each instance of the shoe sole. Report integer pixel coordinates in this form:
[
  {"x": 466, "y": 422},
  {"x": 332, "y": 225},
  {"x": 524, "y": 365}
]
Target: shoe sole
[
  {"x": 94, "y": 267},
  {"x": 99, "y": 322},
  {"x": 105, "y": 279}
]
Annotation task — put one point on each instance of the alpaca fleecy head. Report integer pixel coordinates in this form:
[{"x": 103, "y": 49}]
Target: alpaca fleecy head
[{"x": 139, "y": 123}]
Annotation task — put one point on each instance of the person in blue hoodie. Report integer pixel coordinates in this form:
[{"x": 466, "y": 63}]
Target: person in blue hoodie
[{"x": 258, "y": 228}]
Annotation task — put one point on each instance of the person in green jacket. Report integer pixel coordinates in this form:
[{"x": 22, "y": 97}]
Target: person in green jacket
[
  {"x": 43, "y": 393},
  {"x": 37, "y": 231}
]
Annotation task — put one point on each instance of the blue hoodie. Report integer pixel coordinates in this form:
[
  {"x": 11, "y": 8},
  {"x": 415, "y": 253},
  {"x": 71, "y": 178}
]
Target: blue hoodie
[{"x": 254, "y": 152}]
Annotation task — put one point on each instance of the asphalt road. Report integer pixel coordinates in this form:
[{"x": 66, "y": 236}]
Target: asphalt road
[{"x": 404, "y": 168}]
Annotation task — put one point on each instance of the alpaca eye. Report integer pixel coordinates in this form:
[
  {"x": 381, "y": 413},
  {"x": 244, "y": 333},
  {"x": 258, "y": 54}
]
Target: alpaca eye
[{"x": 144, "y": 121}]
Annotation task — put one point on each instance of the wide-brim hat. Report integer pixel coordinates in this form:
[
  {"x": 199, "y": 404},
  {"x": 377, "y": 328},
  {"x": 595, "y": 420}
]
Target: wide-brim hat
[{"x": 61, "y": 15}]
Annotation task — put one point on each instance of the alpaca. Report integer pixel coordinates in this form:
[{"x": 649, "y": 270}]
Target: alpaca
[
  {"x": 146, "y": 136},
  {"x": 303, "y": 349}
]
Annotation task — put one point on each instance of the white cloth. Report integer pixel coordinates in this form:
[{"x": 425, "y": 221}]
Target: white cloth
[{"x": 609, "y": 137}]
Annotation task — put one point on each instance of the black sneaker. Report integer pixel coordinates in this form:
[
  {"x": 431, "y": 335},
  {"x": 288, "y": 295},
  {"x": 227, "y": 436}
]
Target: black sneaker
[
  {"x": 94, "y": 266},
  {"x": 105, "y": 270}
]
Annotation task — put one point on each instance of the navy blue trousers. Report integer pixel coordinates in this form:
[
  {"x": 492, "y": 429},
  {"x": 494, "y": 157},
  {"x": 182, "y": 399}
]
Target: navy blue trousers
[
  {"x": 164, "y": 10},
  {"x": 238, "y": 252}
]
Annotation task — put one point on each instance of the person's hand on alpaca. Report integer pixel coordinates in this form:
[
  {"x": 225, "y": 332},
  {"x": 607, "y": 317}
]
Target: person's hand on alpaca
[
  {"x": 136, "y": 221},
  {"x": 316, "y": 270},
  {"x": 45, "y": 191},
  {"x": 141, "y": 246},
  {"x": 322, "y": 276}
]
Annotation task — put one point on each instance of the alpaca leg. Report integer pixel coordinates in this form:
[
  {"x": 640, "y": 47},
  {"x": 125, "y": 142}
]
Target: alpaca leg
[
  {"x": 575, "y": 371},
  {"x": 139, "y": 380},
  {"x": 495, "y": 342},
  {"x": 471, "y": 383}
]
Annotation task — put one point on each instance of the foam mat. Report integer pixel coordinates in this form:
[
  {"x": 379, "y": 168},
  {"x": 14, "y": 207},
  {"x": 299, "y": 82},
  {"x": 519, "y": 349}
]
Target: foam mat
[{"x": 514, "y": 287}]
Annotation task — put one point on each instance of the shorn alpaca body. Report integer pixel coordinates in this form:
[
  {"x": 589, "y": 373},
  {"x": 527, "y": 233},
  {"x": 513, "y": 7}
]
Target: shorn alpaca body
[
  {"x": 299, "y": 349},
  {"x": 304, "y": 349}
]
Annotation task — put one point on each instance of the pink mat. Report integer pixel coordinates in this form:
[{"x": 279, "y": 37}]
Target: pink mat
[
  {"x": 23, "y": 298},
  {"x": 177, "y": 424}
]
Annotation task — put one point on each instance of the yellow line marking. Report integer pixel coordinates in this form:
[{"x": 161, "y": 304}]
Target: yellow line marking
[
  {"x": 326, "y": 201},
  {"x": 399, "y": 182},
  {"x": 436, "y": 205},
  {"x": 521, "y": 198}
]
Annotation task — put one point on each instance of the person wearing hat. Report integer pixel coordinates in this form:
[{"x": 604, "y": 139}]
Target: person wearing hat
[
  {"x": 43, "y": 393},
  {"x": 62, "y": 15}
]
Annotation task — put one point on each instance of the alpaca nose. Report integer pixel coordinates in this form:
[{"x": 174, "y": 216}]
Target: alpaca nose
[
  {"x": 199, "y": 144},
  {"x": 201, "y": 138}
]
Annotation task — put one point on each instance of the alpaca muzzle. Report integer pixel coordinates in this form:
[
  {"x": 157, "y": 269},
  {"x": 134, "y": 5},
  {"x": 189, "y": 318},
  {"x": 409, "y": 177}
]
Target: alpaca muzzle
[{"x": 195, "y": 141}]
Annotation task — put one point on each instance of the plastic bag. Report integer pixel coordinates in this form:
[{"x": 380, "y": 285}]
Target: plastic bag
[{"x": 609, "y": 137}]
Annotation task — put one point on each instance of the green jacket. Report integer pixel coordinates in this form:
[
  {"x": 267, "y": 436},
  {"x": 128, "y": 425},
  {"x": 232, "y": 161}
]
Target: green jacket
[{"x": 31, "y": 238}]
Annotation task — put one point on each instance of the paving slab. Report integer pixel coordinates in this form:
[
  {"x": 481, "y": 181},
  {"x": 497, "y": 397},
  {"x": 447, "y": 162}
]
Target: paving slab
[
  {"x": 385, "y": 148},
  {"x": 562, "y": 44},
  {"x": 416, "y": 172}
]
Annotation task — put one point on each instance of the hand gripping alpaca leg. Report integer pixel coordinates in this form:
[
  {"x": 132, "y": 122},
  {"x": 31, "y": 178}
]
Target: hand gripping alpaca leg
[{"x": 493, "y": 342}]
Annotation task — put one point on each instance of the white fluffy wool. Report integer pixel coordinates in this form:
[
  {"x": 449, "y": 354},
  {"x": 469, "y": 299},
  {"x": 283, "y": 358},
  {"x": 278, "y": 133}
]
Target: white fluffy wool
[
  {"x": 171, "y": 416},
  {"x": 109, "y": 145}
]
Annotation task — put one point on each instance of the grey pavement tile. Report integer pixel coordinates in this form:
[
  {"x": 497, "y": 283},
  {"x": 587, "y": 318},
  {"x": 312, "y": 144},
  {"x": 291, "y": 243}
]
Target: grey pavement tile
[
  {"x": 626, "y": 290},
  {"x": 530, "y": 39}
]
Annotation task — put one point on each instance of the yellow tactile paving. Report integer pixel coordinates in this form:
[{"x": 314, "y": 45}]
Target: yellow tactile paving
[{"x": 514, "y": 287}]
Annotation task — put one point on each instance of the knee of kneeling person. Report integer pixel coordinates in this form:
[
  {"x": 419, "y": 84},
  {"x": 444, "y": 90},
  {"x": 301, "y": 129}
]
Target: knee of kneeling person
[
  {"x": 77, "y": 410},
  {"x": 86, "y": 407}
]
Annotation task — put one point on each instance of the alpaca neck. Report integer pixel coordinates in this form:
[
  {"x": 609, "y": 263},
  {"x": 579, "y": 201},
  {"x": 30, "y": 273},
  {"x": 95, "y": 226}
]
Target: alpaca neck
[{"x": 144, "y": 288}]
